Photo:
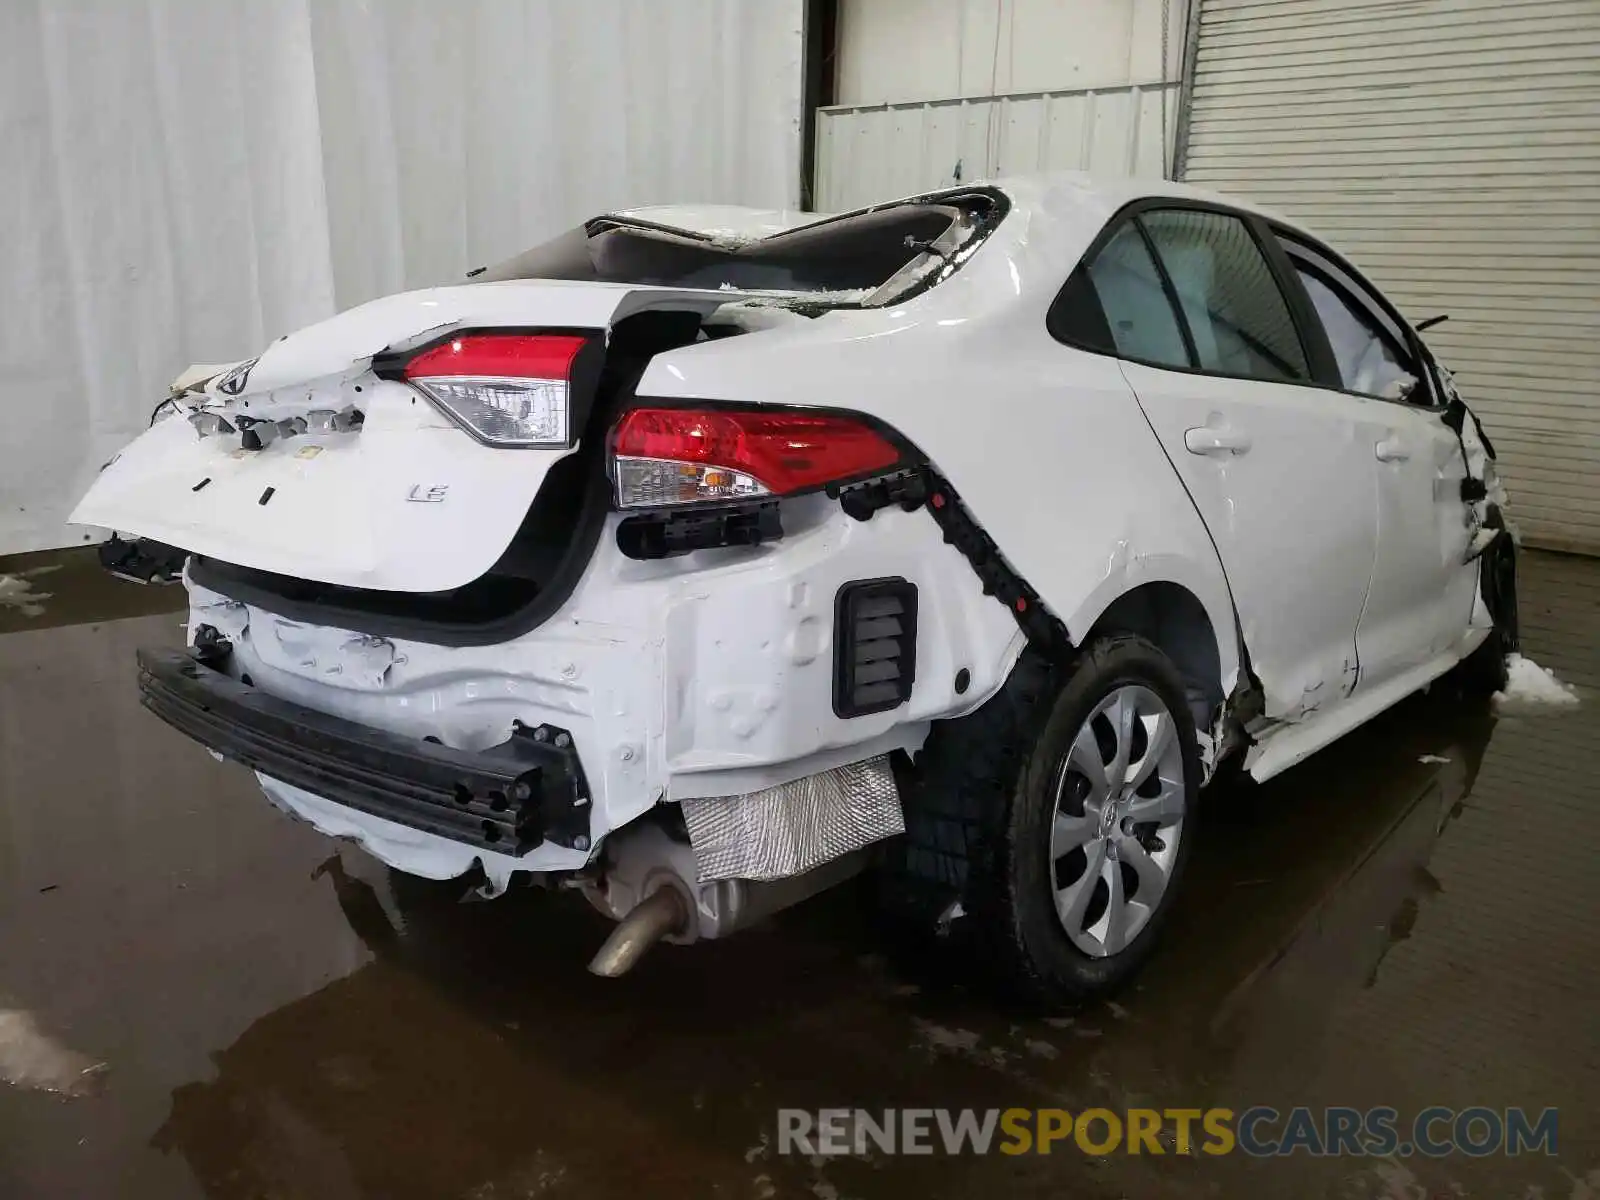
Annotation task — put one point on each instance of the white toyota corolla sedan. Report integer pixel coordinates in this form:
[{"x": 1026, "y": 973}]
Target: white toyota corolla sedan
[{"x": 701, "y": 559}]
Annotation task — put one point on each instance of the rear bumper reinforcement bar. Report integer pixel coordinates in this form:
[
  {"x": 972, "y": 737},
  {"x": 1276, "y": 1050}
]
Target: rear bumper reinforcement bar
[{"x": 509, "y": 798}]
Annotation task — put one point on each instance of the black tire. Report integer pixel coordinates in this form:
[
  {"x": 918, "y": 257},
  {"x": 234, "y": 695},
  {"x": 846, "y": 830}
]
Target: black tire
[
  {"x": 979, "y": 806},
  {"x": 1484, "y": 671}
]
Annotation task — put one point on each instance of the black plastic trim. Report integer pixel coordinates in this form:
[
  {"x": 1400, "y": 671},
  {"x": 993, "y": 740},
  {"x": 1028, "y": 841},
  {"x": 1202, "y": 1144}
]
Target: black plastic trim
[
  {"x": 509, "y": 798},
  {"x": 1321, "y": 362},
  {"x": 1077, "y": 318},
  {"x": 1497, "y": 579},
  {"x": 1043, "y": 630},
  {"x": 908, "y": 488},
  {"x": 846, "y": 603},
  {"x": 663, "y": 533}
]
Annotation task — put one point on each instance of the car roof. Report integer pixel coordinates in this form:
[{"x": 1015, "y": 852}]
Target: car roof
[
  {"x": 1100, "y": 195},
  {"x": 747, "y": 223},
  {"x": 1111, "y": 193}
]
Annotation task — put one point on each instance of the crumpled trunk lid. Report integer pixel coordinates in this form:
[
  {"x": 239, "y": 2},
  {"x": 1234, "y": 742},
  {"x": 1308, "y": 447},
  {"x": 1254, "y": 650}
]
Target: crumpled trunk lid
[{"x": 406, "y": 501}]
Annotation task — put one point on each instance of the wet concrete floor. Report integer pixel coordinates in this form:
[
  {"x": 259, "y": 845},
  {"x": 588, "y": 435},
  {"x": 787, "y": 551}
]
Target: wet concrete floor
[{"x": 278, "y": 1019}]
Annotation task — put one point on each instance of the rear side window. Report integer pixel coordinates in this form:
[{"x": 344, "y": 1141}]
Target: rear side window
[
  {"x": 1206, "y": 300},
  {"x": 1236, "y": 313},
  {"x": 1141, "y": 320}
]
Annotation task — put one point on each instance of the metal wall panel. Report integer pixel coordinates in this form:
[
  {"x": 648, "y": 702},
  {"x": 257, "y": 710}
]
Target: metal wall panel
[
  {"x": 892, "y": 51},
  {"x": 876, "y": 152},
  {"x": 1452, "y": 150}
]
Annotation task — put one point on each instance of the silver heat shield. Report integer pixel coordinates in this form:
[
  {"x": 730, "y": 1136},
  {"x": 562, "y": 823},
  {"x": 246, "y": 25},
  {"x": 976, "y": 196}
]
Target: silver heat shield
[{"x": 784, "y": 830}]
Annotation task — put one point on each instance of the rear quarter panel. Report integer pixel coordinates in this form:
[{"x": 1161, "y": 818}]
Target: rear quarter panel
[{"x": 1045, "y": 444}]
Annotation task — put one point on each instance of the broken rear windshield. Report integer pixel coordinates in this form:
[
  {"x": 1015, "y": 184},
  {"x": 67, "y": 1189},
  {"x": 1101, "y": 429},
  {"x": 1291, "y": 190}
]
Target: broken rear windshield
[{"x": 869, "y": 257}]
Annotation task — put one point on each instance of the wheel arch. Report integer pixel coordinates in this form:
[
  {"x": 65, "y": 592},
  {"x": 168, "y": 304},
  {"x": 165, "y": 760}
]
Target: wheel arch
[{"x": 1169, "y": 614}]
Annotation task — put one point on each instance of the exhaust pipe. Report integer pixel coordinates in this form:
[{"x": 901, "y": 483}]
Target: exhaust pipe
[
  {"x": 659, "y": 915},
  {"x": 644, "y": 860}
]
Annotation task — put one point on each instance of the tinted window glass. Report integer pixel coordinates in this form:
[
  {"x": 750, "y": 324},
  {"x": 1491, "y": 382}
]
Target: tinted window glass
[
  {"x": 1142, "y": 322},
  {"x": 1368, "y": 360},
  {"x": 1237, "y": 315},
  {"x": 1077, "y": 318}
]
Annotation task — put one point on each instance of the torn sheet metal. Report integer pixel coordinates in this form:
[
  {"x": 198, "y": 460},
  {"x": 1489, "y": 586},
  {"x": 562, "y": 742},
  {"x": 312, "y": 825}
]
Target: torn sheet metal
[
  {"x": 323, "y": 653},
  {"x": 785, "y": 830},
  {"x": 1481, "y": 541},
  {"x": 195, "y": 376},
  {"x": 1479, "y": 455}
]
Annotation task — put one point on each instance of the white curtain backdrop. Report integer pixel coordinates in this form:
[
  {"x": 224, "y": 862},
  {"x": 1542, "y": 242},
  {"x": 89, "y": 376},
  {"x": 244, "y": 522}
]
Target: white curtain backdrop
[{"x": 185, "y": 180}]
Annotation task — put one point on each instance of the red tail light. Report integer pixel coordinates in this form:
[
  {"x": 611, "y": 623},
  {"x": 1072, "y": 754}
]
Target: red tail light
[
  {"x": 681, "y": 456},
  {"x": 507, "y": 355},
  {"x": 507, "y": 389}
]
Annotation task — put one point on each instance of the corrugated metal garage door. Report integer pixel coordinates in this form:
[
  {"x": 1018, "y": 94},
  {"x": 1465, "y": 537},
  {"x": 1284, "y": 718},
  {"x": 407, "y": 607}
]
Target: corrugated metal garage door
[{"x": 1452, "y": 149}]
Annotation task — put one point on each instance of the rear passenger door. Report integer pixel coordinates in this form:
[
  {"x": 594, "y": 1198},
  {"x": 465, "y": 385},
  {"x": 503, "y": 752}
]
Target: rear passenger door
[{"x": 1281, "y": 470}]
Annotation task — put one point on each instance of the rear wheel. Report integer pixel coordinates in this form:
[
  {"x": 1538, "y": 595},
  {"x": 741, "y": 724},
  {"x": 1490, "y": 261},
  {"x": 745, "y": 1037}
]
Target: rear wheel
[
  {"x": 1116, "y": 821},
  {"x": 1057, "y": 819}
]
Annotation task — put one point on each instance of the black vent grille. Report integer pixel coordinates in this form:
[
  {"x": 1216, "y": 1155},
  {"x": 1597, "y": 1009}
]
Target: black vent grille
[{"x": 875, "y": 645}]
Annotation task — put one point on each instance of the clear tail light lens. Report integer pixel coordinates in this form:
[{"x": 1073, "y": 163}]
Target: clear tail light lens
[
  {"x": 507, "y": 389},
  {"x": 669, "y": 456}
]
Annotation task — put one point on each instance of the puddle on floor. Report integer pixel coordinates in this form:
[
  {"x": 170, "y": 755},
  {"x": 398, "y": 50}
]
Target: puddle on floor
[{"x": 1408, "y": 918}]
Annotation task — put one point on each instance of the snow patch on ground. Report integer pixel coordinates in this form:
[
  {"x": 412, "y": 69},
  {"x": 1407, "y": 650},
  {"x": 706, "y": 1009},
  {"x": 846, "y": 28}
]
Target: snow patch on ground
[
  {"x": 941, "y": 1038},
  {"x": 1529, "y": 683},
  {"x": 32, "y": 1059},
  {"x": 16, "y": 591}
]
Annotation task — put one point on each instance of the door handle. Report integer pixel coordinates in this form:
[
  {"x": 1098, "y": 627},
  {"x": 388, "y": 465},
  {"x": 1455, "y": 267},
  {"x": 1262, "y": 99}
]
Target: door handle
[
  {"x": 1216, "y": 442},
  {"x": 1392, "y": 450}
]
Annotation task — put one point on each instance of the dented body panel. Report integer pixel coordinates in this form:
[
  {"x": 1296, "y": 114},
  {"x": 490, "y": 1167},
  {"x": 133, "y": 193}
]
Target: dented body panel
[
  {"x": 1300, "y": 475},
  {"x": 1423, "y": 581},
  {"x": 686, "y": 677}
]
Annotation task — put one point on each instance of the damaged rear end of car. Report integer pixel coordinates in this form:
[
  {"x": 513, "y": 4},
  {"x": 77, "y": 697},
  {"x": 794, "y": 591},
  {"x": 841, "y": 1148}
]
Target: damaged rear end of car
[{"x": 463, "y": 591}]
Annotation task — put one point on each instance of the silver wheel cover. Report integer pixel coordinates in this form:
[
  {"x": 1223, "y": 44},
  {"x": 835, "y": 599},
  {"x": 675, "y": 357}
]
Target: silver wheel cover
[{"x": 1117, "y": 820}]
